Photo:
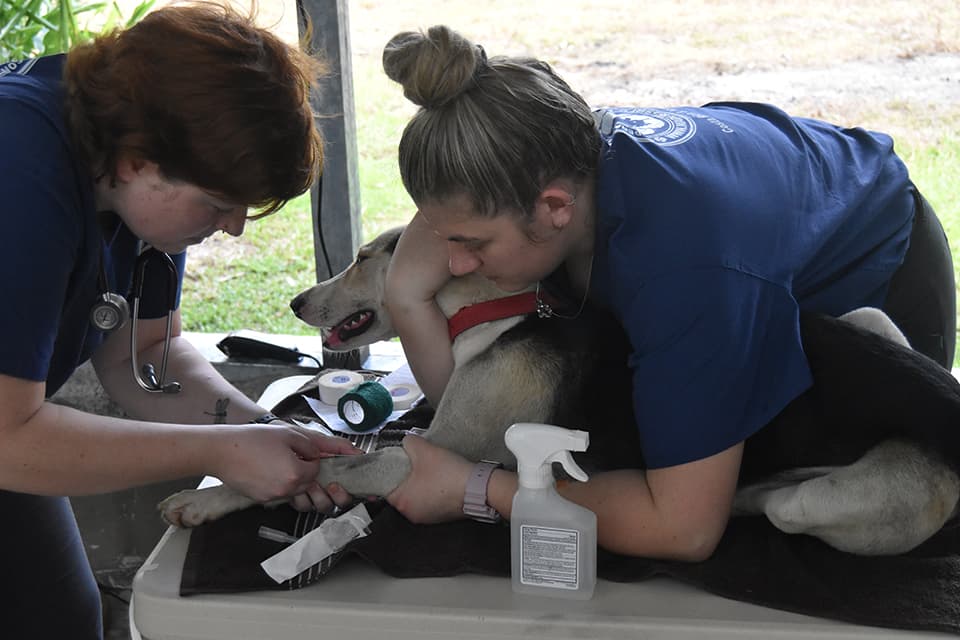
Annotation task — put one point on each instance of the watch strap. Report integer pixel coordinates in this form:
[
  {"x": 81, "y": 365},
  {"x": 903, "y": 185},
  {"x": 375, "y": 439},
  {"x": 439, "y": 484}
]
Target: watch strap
[
  {"x": 475, "y": 496},
  {"x": 266, "y": 418}
]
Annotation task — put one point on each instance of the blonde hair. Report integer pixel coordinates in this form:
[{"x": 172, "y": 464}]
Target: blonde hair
[{"x": 496, "y": 130}]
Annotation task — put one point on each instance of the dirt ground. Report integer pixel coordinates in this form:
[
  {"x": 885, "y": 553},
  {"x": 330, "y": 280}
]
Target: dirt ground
[
  {"x": 885, "y": 94},
  {"x": 888, "y": 65},
  {"x": 891, "y": 65}
]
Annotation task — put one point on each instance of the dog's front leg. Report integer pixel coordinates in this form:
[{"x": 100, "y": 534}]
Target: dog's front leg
[{"x": 373, "y": 474}]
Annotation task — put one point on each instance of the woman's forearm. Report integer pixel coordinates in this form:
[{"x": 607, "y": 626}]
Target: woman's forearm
[
  {"x": 423, "y": 333},
  {"x": 62, "y": 451},
  {"x": 418, "y": 270},
  {"x": 205, "y": 396},
  {"x": 630, "y": 520}
]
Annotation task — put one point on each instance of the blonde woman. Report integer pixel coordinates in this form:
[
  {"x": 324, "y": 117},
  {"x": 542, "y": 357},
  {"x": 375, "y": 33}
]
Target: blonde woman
[{"x": 703, "y": 230}]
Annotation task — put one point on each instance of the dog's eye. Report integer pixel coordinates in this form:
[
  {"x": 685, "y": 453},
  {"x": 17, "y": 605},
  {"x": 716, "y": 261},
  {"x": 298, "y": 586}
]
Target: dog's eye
[{"x": 360, "y": 258}]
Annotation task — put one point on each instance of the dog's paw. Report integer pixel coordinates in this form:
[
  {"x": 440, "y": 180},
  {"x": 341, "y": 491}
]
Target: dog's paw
[
  {"x": 186, "y": 509},
  {"x": 193, "y": 507}
]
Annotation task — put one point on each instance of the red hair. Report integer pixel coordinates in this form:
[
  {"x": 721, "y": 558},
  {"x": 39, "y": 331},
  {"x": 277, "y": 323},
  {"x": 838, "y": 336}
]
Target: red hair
[{"x": 205, "y": 94}]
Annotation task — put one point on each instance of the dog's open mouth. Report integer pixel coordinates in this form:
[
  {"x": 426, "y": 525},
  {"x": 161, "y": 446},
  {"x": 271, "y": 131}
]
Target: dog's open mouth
[{"x": 352, "y": 327}]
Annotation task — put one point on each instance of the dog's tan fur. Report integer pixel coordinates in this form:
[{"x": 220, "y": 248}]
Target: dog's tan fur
[{"x": 888, "y": 501}]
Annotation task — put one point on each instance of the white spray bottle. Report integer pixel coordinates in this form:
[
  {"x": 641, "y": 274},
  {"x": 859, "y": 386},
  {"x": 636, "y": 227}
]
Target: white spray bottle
[{"x": 553, "y": 542}]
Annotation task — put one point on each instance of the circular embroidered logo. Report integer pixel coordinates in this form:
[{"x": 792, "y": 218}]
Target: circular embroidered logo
[{"x": 665, "y": 128}]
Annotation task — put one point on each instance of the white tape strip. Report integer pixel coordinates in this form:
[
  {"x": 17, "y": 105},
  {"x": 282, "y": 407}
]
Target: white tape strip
[{"x": 324, "y": 541}]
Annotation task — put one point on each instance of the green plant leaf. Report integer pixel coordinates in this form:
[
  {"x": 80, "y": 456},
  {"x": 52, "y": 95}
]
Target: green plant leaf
[
  {"x": 139, "y": 11},
  {"x": 31, "y": 28}
]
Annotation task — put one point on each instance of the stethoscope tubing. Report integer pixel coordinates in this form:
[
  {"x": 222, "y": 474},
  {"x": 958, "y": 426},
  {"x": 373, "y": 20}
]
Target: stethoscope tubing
[{"x": 148, "y": 380}]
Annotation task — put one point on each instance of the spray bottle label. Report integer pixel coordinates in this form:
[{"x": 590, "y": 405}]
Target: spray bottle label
[{"x": 548, "y": 557}]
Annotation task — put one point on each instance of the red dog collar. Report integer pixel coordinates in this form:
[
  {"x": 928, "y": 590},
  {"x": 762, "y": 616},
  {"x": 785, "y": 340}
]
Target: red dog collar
[{"x": 516, "y": 305}]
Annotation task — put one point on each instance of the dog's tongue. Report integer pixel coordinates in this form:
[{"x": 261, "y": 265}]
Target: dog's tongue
[
  {"x": 350, "y": 328},
  {"x": 333, "y": 340}
]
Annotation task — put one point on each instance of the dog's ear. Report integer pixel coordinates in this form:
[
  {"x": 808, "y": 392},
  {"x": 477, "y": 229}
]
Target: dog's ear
[{"x": 391, "y": 245}]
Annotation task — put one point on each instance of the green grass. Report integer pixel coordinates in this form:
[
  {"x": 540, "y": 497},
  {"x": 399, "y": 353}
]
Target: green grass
[
  {"x": 251, "y": 290},
  {"x": 934, "y": 170}
]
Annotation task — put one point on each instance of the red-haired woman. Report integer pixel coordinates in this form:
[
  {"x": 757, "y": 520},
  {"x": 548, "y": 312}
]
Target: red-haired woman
[{"x": 155, "y": 136}]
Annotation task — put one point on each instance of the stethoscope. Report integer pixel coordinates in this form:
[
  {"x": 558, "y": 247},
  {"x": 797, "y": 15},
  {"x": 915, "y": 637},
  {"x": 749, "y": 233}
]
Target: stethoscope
[{"x": 111, "y": 312}]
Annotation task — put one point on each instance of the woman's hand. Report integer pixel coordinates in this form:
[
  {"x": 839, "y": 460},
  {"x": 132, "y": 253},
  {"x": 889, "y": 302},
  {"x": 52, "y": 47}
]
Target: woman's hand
[
  {"x": 268, "y": 462},
  {"x": 318, "y": 497},
  {"x": 324, "y": 499},
  {"x": 433, "y": 492}
]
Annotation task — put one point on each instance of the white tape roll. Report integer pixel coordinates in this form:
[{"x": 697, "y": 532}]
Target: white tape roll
[
  {"x": 404, "y": 395},
  {"x": 333, "y": 385}
]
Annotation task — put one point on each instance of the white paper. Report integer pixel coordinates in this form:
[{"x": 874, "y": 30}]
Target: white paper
[{"x": 403, "y": 375}]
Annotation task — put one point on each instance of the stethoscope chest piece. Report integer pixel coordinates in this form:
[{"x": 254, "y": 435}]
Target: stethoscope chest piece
[{"x": 109, "y": 312}]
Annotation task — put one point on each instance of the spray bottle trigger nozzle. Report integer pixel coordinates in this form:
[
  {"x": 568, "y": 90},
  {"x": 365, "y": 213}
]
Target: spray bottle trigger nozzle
[{"x": 565, "y": 458}]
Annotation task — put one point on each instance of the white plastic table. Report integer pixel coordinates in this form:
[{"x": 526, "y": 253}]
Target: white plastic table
[{"x": 358, "y": 602}]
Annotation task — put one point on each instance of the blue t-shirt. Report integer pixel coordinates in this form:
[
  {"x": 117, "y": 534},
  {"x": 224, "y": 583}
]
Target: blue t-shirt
[
  {"x": 52, "y": 239},
  {"x": 716, "y": 225}
]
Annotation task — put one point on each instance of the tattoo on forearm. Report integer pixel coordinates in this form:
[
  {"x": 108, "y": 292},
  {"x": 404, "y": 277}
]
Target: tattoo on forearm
[{"x": 220, "y": 412}]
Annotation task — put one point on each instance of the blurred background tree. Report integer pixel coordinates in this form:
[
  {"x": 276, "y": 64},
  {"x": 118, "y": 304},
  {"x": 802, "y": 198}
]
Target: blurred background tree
[{"x": 30, "y": 28}]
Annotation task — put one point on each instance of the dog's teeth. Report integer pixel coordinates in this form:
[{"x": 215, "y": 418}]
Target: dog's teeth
[{"x": 353, "y": 324}]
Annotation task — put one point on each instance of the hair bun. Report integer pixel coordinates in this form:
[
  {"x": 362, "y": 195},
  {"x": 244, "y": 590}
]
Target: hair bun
[{"x": 433, "y": 67}]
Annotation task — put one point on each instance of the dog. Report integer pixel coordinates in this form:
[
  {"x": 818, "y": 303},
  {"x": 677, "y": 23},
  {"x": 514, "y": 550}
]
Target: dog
[{"x": 885, "y": 489}]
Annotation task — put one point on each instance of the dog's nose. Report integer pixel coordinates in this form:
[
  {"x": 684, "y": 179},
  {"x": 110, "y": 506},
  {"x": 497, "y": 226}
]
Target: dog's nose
[{"x": 297, "y": 303}]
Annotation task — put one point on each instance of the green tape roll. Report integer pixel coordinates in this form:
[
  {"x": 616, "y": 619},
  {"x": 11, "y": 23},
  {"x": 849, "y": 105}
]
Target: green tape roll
[{"x": 365, "y": 406}]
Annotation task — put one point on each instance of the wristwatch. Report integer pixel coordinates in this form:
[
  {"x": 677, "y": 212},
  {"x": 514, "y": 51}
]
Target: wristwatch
[{"x": 475, "y": 497}]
